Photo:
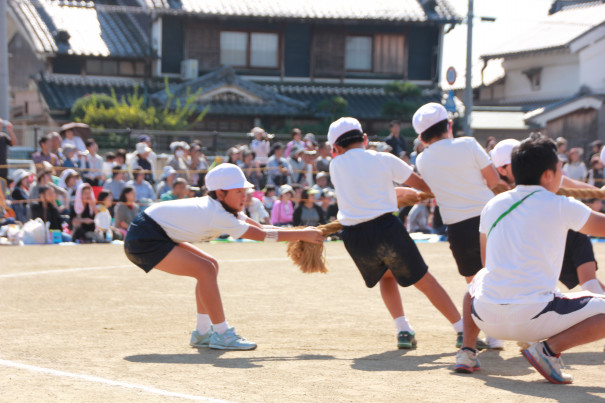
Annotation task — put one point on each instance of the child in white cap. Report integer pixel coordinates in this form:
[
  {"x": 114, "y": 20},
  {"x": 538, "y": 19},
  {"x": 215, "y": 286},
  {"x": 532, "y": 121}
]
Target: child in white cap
[
  {"x": 377, "y": 240},
  {"x": 460, "y": 174},
  {"x": 162, "y": 236}
]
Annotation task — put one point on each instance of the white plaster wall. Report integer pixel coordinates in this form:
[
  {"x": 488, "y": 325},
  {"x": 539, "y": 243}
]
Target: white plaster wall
[{"x": 592, "y": 66}]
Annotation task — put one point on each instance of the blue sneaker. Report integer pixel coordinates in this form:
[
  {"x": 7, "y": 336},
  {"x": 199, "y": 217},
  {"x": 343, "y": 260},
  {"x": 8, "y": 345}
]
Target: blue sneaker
[
  {"x": 549, "y": 367},
  {"x": 230, "y": 341},
  {"x": 200, "y": 340},
  {"x": 406, "y": 340},
  {"x": 467, "y": 362}
]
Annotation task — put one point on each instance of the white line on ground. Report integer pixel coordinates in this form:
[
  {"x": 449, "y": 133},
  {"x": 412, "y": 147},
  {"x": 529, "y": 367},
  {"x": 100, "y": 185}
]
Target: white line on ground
[
  {"x": 110, "y": 382},
  {"x": 34, "y": 273}
]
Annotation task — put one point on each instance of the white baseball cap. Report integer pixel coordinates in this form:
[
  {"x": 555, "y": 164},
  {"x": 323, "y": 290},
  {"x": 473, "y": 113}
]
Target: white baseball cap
[
  {"x": 342, "y": 126},
  {"x": 427, "y": 115},
  {"x": 226, "y": 176},
  {"x": 502, "y": 151}
]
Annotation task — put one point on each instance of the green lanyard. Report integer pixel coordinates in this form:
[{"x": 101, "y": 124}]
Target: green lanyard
[{"x": 514, "y": 206}]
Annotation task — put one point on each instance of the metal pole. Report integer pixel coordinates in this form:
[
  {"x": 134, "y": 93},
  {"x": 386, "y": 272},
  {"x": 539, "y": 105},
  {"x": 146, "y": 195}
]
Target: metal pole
[
  {"x": 4, "y": 111},
  {"x": 468, "y": 91}
]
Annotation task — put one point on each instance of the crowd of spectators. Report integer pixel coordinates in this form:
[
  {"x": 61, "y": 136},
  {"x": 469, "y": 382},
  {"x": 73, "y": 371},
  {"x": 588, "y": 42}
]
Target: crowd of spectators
[{"x": 87, "y": 197}]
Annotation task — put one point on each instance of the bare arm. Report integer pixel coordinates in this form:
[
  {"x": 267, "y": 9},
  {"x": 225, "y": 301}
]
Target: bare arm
[
  {"x": 11, "y": 133},
  {"x": 483, "y": 244},
  {"x": 491, "y": 177},
  {"x": 312, "y": 235},
  {"x": 572, "y": 183},
  {"x": 417, "y": 182},
  {"x": 595, "y": 225},
  {"x": 253, "y": 223}
]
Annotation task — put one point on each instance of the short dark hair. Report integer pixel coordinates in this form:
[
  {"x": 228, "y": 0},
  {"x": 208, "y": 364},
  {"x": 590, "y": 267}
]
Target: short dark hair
[
  {"x": 43, "y": 189},
  {"x": 125, "y": 191},
  {"x": 110, "y": 156},
  {"x": 43, "y": 139},
  {"x": 393, "y": 123},
  {"x": 179, "y": 181},
  {"x": 90, "y": 142},
  {"x": 534, "y": 156},
  {"x": 103, "y": 194},
  {"x": 295, "y": 131},
  {"x": 348, "y": 138},
  {"x": 434, "y": 131}
]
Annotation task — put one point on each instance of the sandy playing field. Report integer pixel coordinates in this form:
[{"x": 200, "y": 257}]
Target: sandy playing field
[{"x": 80, "y": 323}]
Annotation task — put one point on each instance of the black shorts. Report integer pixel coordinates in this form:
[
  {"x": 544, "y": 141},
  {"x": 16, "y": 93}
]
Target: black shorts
[
  {"x": 146, "y": 243},
  {"x": 578, "y": 250},
  {"x": 464, "y": 242},
  {"x": 384, "y": 244}
]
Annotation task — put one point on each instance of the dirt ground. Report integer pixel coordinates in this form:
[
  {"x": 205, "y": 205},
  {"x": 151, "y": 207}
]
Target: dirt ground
[{"x": 80, "y": 323}]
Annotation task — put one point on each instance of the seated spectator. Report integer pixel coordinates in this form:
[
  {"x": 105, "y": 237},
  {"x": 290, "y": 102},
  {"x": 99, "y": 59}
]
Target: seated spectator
[
  {"x": 71, "y": 160},
  {"x": 255, "y": 208},
  {"x": 70, "y": 180},
  {"x": 198, "y": 166},
  {"x": 45, "y": 154},
  {"x": 55, "y": 146},
  {"x": 297, "y": 197},
  {"x": 46, "y": 209},
  {"x": 321, "y": 182},
  {"x": 328, "y": 205},
  {"x": 20, "y": 194},
  {"x": 179, "y": 190},
  {"x": 152, "y": 156},
  {"x": 278, "y": 170},
  {"x": 308, "y": 213},
  {"x": 168, "y": 177},
  {"x": 82, "y": 215},
  {"x": 126, "y": 209},
  {"x": 562, "y": 148},
  {"x": 116, "y": 183},
  {"x": 234, "y": 156},
  {"x": 178, "y": 160},
  {"x": 310, "y": 142},
  {"x": 295, "y": 142},
  {"x": 144, "y": 192},
  {"x": 108, "y": 165},
  {"x": 69, "y": 137},
  {"x": 283, "y": 209},
  {"x": 260, "y": 145},
  {"x": 322, "y": 163},
  {"x": 44, "y": 178},
  {"x": 252, "y": 169},
  {"x": 105, "y": 206},
  {"x": 269, "y": 197},
  {"x": 595, "y": 173},
  {"x": 418, "y": 218},
  {"x": 140, "y": 161},
  {"x": 296, "y": 164},
  {"x": 92, "y": 164},
  {"x": 575, "y": 168}
]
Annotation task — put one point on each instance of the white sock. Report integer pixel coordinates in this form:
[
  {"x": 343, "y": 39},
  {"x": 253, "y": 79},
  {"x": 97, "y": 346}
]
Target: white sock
[
  {"x": 593, "y": 286},
  {"x": 402, "y": 325},
  {"x": 203, "y": 323},
  {"x": 221, "y": 328},
  {"x": 458, "y": 326}
]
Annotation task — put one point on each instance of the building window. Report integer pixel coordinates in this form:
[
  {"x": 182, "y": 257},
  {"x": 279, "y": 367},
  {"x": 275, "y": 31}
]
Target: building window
[
  {"x": 98, "y": 67},
  {"x": 389, "y": 54},
  {"x": 250, "y": 49},
  {"x": 358, "y": 53},
  {"x": 534, "y": 77}
]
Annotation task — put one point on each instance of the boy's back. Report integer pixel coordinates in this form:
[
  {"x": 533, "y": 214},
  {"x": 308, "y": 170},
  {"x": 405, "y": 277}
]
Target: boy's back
[
  {"x": 452, "y": 169},
  {"x": 363, "y": 181}
]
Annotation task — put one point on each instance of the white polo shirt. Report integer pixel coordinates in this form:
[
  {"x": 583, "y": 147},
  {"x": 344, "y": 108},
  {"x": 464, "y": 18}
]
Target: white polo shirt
[
  {"x": 363, "y": 182},
  {"x": 452, "y": 169},
  {"x": 196, "y": 219},
  {"x": 525, "y": 249}
]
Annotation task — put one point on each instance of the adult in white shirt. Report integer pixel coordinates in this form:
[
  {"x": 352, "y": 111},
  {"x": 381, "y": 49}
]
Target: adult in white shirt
[
  {"x": 69, "y": 137},
  {"x": 91, "y": 164},
  {"x": 523, "y": 234}
]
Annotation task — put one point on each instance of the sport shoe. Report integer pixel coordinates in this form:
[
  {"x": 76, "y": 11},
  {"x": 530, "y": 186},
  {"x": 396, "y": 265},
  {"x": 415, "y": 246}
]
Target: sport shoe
[
  {"x": 467, "y": 362},
  {"x": 495, "y": 344},
  {"x": 479, "y": 345},
  {"x": 230, "y": 341},
  {"x": 200, "y": 340},
  {"x": 548, "y": 367},
  {"x": 406, "y": 340}
]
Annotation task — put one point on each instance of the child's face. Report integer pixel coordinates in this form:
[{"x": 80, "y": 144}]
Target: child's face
[
  {"x": 287, "y": 196},
  {"x": 234, "y": 198}
]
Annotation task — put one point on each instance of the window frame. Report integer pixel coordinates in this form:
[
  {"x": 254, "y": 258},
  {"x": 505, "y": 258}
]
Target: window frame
[
  {"x": 372, "y": 52},
  {"x": 249, "y": 33}
]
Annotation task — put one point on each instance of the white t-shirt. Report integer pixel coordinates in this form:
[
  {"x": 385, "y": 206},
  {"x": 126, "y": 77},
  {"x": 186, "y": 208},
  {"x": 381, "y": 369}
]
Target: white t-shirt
[
  {"x": 76, "y": 142},
  {"x": 196, "y": 219},
  {"x": 452, "y": 169},
  {"x": 363, "y": 182},
  {"x": 525, "y": 249}
]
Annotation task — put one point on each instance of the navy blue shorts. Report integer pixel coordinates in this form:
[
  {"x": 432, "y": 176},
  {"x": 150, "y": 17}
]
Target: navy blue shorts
[
  {"x": 463, "y": 238},
  {"x": 384, "y": 244},
  {"x": 146, "y": 243},
  {"x": 578, "y": 250}
]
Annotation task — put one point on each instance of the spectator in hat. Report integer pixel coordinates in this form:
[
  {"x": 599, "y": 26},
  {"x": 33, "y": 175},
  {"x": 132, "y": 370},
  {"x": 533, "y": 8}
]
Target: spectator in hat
[
  {"x": 70, "y": 160},
  {"x": 168, "y": 177},
  {"x": 308, "y": 213},
  {"x": 395, "y": 140},
  {"x": 309, "y": 157},
  {"x": 143, "y": 189},
  {"x": 321, "y": 181},
  {"x": 116, "y": 183},
  {"x": 198, "y": 165},
  {"x": 179, "y": 190},
  {"x": 562, "y": 148},
  {"x": 45, "y": 154},
  {"x": 261, "y": 145},
  {"x": 92, "y": 164},
  {"x": 55, "y": 145},
  {"x": 7, "y": 139},
  {"x": 20, "y": 194},
  {"x": 151, "y": 157},
  {"x": 252, "y": 170},
  {"x": 278, "y": 170},
  {"x": 296, "y": 164},
  {"x": 44, "y": 178},
  {"x": 295, "y": 142},
  {"x": 69, "y": 137},
  {"x": 178, "y": 160},
  {"x": 595, "y": 149},
  {"x": 309, "y": 142},
  {"x": 70, "y": 180},
  {"x": 575, "y": 168},
  {"x": 140, "y": 159},
  {"x": 234, "y": 156},
  {"x": 283, "y": 209},
  {"x": 328, "y": 205}
]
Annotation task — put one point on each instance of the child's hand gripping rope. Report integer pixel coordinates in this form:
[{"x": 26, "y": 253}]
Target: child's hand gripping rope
[{"x": 310, "y": 258}]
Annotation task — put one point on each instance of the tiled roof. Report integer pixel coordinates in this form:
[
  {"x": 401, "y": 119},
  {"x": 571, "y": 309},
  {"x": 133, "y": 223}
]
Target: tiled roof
[
  {"x": 555, "y": 32},
  {"x": 85, "y": 30},
  {"x": 380, "y": 10}
]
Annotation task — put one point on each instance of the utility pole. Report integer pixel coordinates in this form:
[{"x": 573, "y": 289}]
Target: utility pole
[
  {"x": 468, "y": 90},
  {"x": 4, "y": 111}
]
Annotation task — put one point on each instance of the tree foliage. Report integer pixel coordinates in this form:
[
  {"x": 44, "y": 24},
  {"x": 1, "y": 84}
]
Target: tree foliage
[{"x": 407, "y": 99}]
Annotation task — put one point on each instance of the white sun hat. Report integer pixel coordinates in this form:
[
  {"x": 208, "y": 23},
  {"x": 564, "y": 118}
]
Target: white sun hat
[
  {"x": 427, "y": 115},
  {"x": 502, "y": 151},
  {"x": 225, "y": 177}
]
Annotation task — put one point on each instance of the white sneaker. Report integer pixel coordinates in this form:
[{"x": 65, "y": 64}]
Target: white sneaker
[
  {"x": 230, "y": 341},
  {"x": 549, "y": 367},
  {"x": 466, "y": 362},
  {"x": 495, "y": 344}
]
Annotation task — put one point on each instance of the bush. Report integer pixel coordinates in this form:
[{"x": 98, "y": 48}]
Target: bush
[{"x": 78, "y": 108}]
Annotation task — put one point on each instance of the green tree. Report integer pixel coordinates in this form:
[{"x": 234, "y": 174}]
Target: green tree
[{"x": 407, "y": 99}]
